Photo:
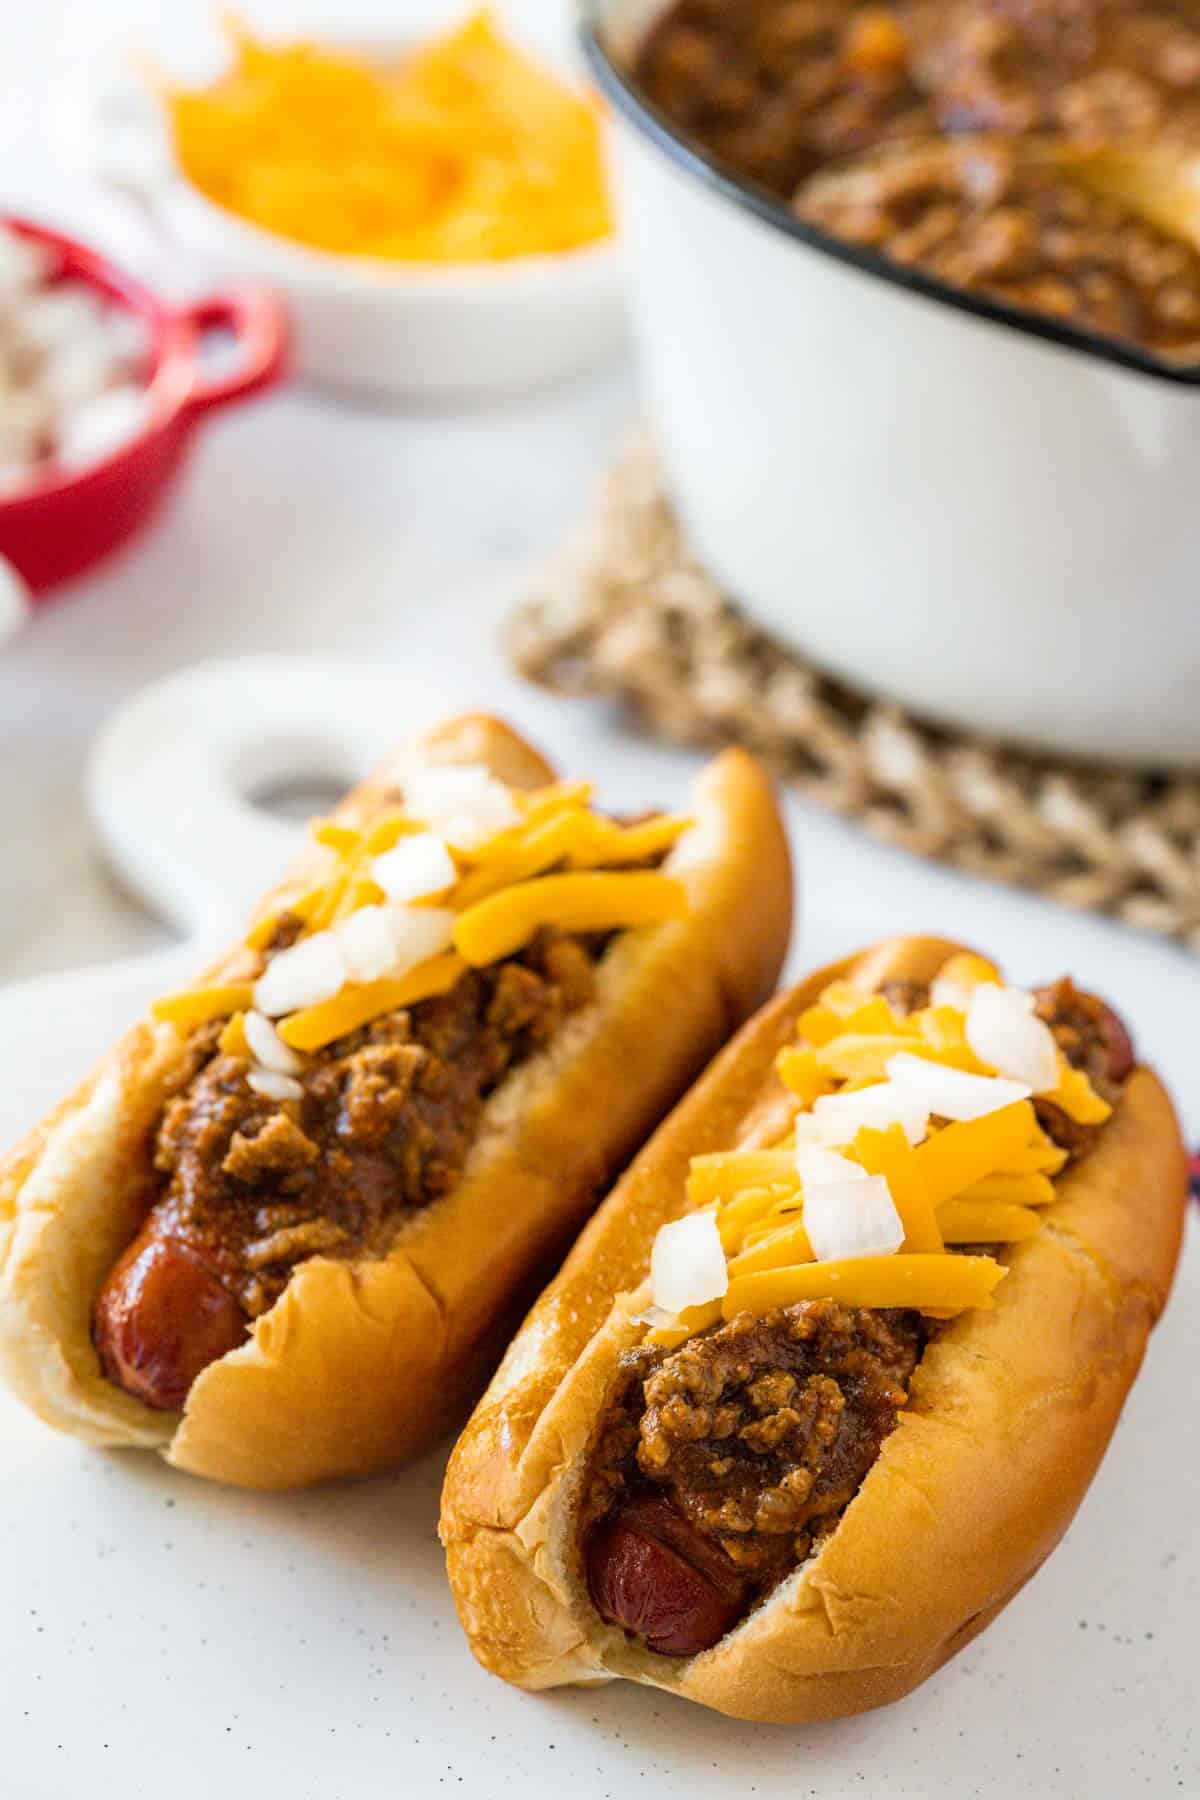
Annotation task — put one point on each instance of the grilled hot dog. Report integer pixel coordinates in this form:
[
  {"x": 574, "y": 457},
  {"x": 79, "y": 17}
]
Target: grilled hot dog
[{"x": 873, "y": 1369}]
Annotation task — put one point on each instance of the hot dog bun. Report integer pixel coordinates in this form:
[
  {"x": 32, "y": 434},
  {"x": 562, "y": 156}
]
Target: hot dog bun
[
  {"x": 361, "y": 1363},
  {"x": 1010, "y": 1412}
]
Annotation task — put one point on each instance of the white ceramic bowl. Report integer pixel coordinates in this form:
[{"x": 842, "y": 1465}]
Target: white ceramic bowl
[
  {"x": 990, "y": 517},
  {"x": 389, "y": 330}
]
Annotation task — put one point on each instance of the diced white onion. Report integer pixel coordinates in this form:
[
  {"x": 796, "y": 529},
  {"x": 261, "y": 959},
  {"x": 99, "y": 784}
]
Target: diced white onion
[
  {"x": 23, "y": 262},
  {"x": 836, "y": 1118},
  {"x": 687, "y": 1263},
  {"x": 653, "y": 1316},
  {"x": 464, "y": 801},
  {"x": 945, "y": 991},
  {"x": 268, "y": 1048},
  {"x": 1004, "y": 1033},
  {"x": 273, "y": 1086},
  {"x": 71, "y": 371},
  {"x": 444, "y": 788},
  {"x": 309, "y": 972},
  {"x": 70, "y": 312},
  {"x": 77, "y": 370},
  {"x": 367, "y": 943},
  {"x": 852, "y": 1218},
  {"x": 817, "y": 1166},
  {"x": 100, "y": 426},
  {"x": 954, "y": 1093},
  {"x": 418, "y": 866},
  {"x": 418, "y": 932},
  {"x": 15, "y": 600},
  {"x": 489, "y": 813}
]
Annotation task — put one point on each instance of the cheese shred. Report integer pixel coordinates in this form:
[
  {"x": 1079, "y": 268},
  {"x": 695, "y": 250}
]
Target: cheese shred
[{"x": 978, "y": 1180}]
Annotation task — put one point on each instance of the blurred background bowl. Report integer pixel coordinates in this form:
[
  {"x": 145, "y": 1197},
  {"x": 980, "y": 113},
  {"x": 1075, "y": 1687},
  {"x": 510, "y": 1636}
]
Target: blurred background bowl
[{"x": 384, "y": 329}]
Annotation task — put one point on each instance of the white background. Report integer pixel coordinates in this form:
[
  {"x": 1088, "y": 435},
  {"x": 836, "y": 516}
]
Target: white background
[{"x": 160, "y": 1637}]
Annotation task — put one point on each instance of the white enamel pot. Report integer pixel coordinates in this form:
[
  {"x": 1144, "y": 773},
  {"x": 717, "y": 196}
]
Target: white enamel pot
[{"x": 989, "y": 517}]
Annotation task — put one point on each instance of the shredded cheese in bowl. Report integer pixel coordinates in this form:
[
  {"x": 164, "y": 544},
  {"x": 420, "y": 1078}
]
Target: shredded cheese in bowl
[{"x": 465, "y": 151}]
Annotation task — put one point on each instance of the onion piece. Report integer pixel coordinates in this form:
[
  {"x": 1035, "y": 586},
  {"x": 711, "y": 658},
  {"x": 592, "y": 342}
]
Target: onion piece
[
  {"x": 943, "y": 991},
  {"x": 817, "y": 1166},
  {"x": 953, "y": 1093},
  {"x": 687, "y": 1263},
  {"x": 653, "y": 1316},
  {"x": 1004, "y": 1032},
  {"x": 444, "y": 788},
  {"x": 101, "y": 425},
  {"x": 417, "y": 867},
  {"x": 367, "y": 943},
  {"x": 836, "y": 1118},
  {"x": 490, "y": 813},
  {"x": 268, "y": 1048},
  {"x": 309, "y": 972},
  {"x": 464, "y": 801},
  {"x": 852, "y": 1218},
  {"x": 418, "y": 932},
  {"x": 273, "y": 1086}
]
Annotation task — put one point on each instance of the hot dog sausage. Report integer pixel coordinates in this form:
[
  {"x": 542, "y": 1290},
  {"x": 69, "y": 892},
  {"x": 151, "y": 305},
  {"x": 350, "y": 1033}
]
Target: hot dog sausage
[
  {"x": 642, "y": 1579},
  {"x": 1090, "y": 1032},
  {"x": 161, "y": 1318},
  {"x": 1121, "y": 1054}
]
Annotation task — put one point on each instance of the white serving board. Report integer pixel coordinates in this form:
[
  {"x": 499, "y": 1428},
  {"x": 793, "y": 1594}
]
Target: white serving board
[{"x": 163, "y": 1637}]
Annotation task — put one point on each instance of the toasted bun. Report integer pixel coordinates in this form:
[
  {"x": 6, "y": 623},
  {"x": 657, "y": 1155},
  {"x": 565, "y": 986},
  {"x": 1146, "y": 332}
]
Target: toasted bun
[
  {"x": 361, "y": 1363},
  {"x": 1010, "y": 1412}
]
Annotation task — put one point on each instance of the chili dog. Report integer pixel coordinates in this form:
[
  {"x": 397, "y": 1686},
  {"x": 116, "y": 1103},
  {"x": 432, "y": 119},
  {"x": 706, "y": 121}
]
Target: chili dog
[
  {"x": 826, "y": 1377},
  {"x": 276, "y": 1234}
]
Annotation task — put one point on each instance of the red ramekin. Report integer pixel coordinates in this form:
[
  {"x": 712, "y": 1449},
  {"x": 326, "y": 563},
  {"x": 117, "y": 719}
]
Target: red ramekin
[{"x": 64, "y": 523}]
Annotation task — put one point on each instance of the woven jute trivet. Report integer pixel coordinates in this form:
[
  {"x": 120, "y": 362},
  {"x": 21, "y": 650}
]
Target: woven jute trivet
[{"x": 624, "y": 610}]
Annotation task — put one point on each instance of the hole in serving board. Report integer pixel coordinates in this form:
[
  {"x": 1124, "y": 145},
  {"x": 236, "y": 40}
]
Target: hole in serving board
[
  {"x": 298, "y": 798},
  {"x": 292, "y": 775}
]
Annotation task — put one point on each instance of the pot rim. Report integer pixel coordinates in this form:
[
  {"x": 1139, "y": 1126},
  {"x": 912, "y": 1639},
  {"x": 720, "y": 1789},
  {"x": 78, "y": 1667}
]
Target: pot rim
[{"x": 626, "y": 99}]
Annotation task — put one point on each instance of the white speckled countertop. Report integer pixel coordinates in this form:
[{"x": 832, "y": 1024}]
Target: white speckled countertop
[{"x": 162, "y": 1637}]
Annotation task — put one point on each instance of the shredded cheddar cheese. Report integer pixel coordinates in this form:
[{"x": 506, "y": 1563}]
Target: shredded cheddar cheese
[
  {"x": 614, "y": 845},
  {"x": 302, "y": 907},
  {"x": 505, "y": 922},
  {"x": 1077, "y": 1098},
  {"x": 777, "y": 1248},
  {"x": 539, "y": 847},
  {"x": 232, "y": 1041},
  {"x": 196, "y": 1006},
  {"x": 929, "y": 1283},
  {"x": 691, "y": 1320},
  {"x": 986, "y": 1222},
  {"x": 980, "y": 1178},
  {"x": 386, "y": 833},
  {"x": 538, "y": 803},
  {"x": 723, "y": 1176},
  {"x": 889, "y": 1153},
  {"x": 738, "y": 1219},
  {"x": 393, "y": 954},
  {"x": 319, "y": 1025},
  {"x": 961, "y": 1154},
  {"x": 464, "y": 151}
]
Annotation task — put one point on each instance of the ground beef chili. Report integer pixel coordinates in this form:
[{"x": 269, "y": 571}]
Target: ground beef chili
[
  {"x": 251, "y": 1186},
  {"x": 855, "y": 115},
  {"x": 717, "y": 1467},
  {"x": 384, "y": 1127},
  {"x": 1093, "y": 1038},
  {"x": 973, "y": 213},
  {"x": 751, "y": 1438}
]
